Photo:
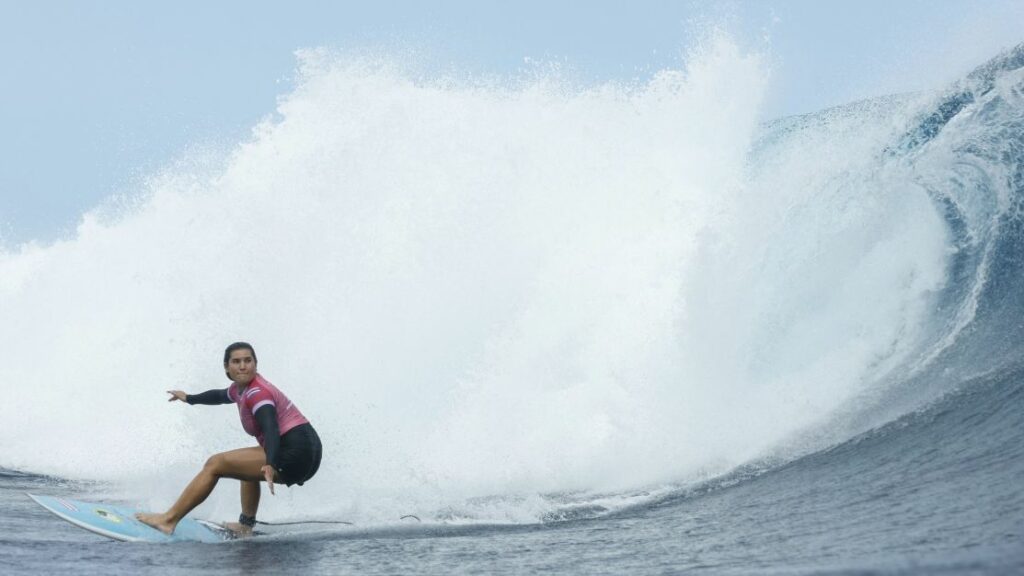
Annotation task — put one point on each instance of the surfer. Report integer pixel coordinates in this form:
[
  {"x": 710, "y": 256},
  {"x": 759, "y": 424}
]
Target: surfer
[{"x": 288, "y": 453}]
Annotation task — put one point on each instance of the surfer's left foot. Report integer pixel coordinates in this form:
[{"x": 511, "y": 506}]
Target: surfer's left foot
[{"x": 158, "y": 521}]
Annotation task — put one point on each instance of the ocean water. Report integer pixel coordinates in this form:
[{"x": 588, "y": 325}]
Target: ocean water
[{"x": 627, "y": 328}]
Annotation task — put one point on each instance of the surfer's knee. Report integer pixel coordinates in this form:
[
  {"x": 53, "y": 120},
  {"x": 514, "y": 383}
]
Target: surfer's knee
[{"x": 214, "y": 463}]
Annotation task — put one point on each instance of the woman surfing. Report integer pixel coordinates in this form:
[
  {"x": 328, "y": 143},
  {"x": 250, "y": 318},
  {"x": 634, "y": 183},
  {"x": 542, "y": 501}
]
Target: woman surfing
[{"x": 288, "y": 453}]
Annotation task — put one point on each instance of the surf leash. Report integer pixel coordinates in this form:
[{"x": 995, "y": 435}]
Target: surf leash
[
  {"x": 305, "y": 522},
  {"x": 413, "y": 516}
]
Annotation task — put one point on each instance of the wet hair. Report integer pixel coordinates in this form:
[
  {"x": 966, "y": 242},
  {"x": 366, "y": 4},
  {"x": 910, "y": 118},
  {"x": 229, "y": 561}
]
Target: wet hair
[{"x": 238, "y": 346}]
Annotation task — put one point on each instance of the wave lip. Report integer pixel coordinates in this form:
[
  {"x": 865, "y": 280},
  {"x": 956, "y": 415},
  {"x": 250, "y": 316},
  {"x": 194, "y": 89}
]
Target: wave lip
[{"x": 968, "y": 155}]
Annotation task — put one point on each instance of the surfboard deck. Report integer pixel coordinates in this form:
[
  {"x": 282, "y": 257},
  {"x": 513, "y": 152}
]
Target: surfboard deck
[{"x": 119, "y": 523}]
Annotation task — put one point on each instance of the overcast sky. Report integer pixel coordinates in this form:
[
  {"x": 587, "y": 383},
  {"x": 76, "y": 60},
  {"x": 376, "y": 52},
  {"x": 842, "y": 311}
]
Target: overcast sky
[{"x": 94, "y": 95}]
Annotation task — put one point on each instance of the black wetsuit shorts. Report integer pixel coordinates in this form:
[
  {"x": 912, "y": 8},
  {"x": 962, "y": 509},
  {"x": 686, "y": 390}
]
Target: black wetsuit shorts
[{"x": 300, "y": 455}]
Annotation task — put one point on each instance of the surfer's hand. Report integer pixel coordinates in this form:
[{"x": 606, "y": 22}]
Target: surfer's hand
[
  {"x": 176, "y": 395},
  {"x": 268, "y": 474}
]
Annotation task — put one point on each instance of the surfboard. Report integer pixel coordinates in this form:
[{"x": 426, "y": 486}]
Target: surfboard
[{"x": 119, "y": 523}]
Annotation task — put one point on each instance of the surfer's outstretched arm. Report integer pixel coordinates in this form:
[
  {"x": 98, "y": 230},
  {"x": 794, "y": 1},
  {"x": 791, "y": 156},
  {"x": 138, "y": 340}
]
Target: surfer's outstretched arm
[{"x": 210, "y": 397}]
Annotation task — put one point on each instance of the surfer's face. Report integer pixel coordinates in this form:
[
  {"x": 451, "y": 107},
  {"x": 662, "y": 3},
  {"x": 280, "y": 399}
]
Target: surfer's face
[{"x": 241, "y": 366}]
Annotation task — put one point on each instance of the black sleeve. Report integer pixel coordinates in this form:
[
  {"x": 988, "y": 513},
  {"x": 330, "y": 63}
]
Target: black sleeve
[
  {"x": 266, "y": 417},
  {"x": 215, "y": 396}
]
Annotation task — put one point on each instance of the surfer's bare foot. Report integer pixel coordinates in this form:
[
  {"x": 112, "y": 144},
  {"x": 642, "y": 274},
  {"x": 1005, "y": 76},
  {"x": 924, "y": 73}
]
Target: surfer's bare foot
[
  {"x": 158, "y": 521},
  {"x": 240, "y": 530}
]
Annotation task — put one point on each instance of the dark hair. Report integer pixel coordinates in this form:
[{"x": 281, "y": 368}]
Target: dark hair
[{"x": 238, "y": 346}]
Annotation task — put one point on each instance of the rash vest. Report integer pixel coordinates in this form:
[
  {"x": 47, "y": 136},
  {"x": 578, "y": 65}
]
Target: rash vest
[{"x": 260, "y": 393}]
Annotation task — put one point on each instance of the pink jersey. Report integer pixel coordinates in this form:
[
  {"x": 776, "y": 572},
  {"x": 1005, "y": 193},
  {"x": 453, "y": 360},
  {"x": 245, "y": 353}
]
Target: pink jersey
[{"x": 260, "y": 393}]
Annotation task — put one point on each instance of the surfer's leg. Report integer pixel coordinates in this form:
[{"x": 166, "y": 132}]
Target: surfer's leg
[
  {"x": 250, "y": 497},
  {"x": 250, "y": 503},
  {"x": 243, "y": 464}
]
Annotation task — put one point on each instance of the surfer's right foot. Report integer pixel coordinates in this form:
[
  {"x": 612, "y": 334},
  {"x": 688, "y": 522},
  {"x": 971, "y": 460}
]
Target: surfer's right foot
[
  {"x": 239, "y": 530},
  {"x": 158, "y": 521}
]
